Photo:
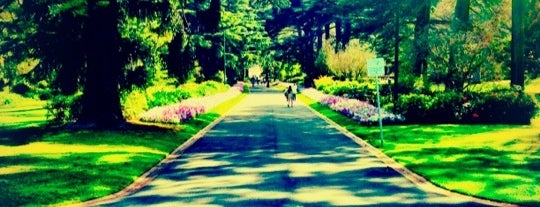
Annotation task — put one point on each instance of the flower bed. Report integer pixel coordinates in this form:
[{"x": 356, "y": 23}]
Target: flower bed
[
  {"x": 189, "y": 108},
  {"x": 360, "y": 111}
]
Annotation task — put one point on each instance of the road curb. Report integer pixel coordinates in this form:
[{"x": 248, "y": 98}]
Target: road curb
[
  {"x": 416, "y": 179},
  {"x": 151, "y": 174}
]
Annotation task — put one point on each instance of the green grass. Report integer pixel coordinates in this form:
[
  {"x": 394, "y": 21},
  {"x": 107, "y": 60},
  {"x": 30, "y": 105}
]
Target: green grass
[
  {"x": 44, "y": 166},
  {"x": 498, "y": 162},
  {"x": 17, "y": 111},
  {"x": 533, "y": 86}
]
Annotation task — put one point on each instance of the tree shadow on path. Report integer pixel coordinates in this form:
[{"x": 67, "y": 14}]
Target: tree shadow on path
[{"x": 266, "y": 154}]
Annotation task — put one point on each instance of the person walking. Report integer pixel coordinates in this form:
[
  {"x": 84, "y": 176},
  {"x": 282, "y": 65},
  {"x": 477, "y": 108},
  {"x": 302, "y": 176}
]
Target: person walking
[{"x": 289, "y": 96}]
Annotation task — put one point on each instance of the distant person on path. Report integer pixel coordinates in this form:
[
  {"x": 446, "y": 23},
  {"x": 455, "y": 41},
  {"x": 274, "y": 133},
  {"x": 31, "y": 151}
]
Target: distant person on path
[
  {"x": 289, "y": 96},
  {"x": 252, "y": 81}
]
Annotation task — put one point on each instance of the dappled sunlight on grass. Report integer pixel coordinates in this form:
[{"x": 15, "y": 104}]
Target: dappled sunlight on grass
[
  {"x": 46, "y": 149},
  {"x": 115, "y": 158},
  {"x": 533, "y": 86},
  {"x": 517, "y": 139},
  {"x": 20, "y": 111},
  {"x": 85, "y": 164},
  {"x": 474, "y": 187},
  {"x": 499, "y": 162},
  {"x": 13, "y": 169}
]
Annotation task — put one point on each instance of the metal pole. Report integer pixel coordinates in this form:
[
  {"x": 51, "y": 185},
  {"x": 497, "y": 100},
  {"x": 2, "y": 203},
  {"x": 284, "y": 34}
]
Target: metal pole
[
  {"x": 224, "y": 60},
  {"x": 379, "y": 110}
]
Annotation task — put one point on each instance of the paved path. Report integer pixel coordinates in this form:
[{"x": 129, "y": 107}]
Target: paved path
[{"x": 266, "y": 154}]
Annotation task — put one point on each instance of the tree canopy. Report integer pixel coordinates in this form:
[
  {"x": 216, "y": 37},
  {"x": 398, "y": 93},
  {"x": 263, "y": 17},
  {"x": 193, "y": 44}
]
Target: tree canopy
[{"x": 95, "y": 49}]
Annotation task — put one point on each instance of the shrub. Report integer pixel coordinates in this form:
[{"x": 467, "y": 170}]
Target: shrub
[
  {"x": 63, "y": 108},
  {"x": 5, "y": 101},
  {"x": 212, "y": 87},
  {"x": 189, "y": 108},
  {"x": 42, "y": 84},
  {"x": 507, "y": 106},
  {"x": 165, "y": 97},
  {"x": 20, "y": 88},
  {"x": 134, "y": 102},
  {"x": 194, "y": 89},
  {"x": 406, "y": 84},
  {"x": 415, "y": 107},
  {"x": 323, "y": 82},
  {"x": 45, "y": 95},
  {"x": 363, "y": 91},
  {"x": 447, "y": 107}
]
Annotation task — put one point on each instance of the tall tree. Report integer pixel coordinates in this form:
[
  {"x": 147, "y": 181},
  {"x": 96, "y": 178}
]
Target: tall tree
[
  {"x": 517, "y": 45},
  {"x": 246, "y": 42},
  {"x": 421, "y": 32},
  {"x": 208, "y": 55},
  {"x": 461, "y": 14},
  {"x": 78, "y": 44},
  {"x": 532, "y": 45},
  {"x": 101, "y": 99},
  {"x": 460, "y": 25}
]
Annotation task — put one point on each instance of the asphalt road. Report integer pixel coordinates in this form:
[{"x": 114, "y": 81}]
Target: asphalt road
[{"x": 266, "y": 154}]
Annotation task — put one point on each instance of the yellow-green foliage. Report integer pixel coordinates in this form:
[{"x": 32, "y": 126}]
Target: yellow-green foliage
[
  {"x": 323, "y": 81},
  {"x": 134, "y": 103},
  {"x": 351, "y": 63},
  {"x": 137, "y": 101}
]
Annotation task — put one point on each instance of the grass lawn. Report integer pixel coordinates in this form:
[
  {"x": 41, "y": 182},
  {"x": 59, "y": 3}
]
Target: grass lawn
[
  {"x": 44, "y": 166},
  {"x": 497, "y": 162},
  {"x": 17, "y": 111}
]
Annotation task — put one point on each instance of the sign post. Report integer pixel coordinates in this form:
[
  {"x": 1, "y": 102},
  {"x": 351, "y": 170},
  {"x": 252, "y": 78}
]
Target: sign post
[{"x": 375, "y": 68}]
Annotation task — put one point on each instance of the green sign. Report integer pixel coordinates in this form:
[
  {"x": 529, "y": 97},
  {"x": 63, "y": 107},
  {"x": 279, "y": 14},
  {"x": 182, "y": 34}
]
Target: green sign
[{"x": 375, "y": 67}]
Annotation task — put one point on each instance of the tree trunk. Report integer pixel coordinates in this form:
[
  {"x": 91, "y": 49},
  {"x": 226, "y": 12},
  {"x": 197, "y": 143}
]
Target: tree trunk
[
  {"x": 461, "y": 21},
  {"x": 101, "y": 98},
  {"x": 327, "y": 31},
  {"x": 421, "y": 32},
  {"x": 209, "y": 23},
  {"x": 395, "y": 92},
  {"x": 346, "y": 36},
  {"x": 320, "y": 38},
  {"x": 517, "y": 45},
  {"x": 178, "y": 60},
  {"x": 339, "y": 35}
]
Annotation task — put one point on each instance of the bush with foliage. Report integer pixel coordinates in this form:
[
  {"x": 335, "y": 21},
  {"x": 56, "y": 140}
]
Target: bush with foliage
[
  {"x": 164, "y": 97},
  {"x": 21, "y": 88},
  {"x": 503, "y": 106},
  {"x": 436, "y": 108},
  {"x": 322, "y": 82},
  {"x": 508, "y": 106},
  {"x": 136, "y": 101},
  {"x": 187, "y": 109},
  {"x": 364, "y": 91},
  {"x": 63, "y": 108},
  {"x": 348, "y": 64}
]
